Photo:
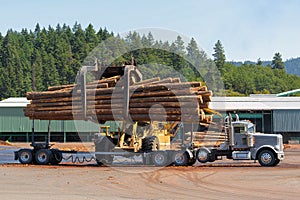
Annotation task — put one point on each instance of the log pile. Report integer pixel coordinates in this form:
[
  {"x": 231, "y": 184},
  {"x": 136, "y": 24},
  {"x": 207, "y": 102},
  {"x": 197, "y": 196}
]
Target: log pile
[
  {"x": 208, "y": 138},
  {"x": 202, "y": 139},
  {"x": 152, "y": 99}
]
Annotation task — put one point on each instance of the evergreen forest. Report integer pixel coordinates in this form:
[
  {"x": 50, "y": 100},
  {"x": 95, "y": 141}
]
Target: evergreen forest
[{"x": 33, "y": 60}]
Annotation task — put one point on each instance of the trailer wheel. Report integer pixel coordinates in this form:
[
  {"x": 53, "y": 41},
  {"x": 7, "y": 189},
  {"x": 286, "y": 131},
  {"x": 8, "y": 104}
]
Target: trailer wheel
[
  {"x": 203, "y": 155},
  {"x": 43, "y": 156},
  {"x": 266, "y": 158},
  {"x": 56, "y": 157},
  {"x": 160, "y": 158},
  {"x": 25, "y": 156},
  {"x": 181, "y": 158}
]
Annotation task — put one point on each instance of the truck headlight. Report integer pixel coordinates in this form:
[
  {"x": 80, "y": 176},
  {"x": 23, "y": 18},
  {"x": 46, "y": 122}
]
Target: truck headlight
[{"x": 277, "y": 147}]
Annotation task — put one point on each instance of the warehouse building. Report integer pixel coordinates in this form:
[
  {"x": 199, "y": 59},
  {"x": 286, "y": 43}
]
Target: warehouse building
[
  {"x": 271, "y": 114},
  {"x": 14, "y": 126}
]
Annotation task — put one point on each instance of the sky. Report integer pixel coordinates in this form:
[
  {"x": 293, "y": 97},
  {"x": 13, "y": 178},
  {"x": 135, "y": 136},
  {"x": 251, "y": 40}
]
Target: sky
[{"x": 248, "y": 30}]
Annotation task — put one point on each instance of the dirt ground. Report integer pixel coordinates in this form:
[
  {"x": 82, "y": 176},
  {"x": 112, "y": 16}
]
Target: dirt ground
[{"x": 223, "y": 179}]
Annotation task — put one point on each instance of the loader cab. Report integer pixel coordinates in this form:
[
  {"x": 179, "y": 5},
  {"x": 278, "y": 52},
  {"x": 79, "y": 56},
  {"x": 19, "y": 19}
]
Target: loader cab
[{"x": 243, "y": 134}]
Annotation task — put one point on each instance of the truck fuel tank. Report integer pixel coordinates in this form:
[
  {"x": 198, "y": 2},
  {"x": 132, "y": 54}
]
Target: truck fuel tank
[{"x": 241, "y": 155}]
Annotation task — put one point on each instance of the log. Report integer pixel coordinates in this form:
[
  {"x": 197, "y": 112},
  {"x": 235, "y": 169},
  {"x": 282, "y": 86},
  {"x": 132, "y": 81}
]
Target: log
[
  {"x": 60, "y": 87},
  {"x": 98, "y": 100},
  {"x": 108, "y": 111},
  {"x": 152, "y": 99},
  {"x": 166, "y": 86},
  {"x": 116, "y": 117},
  {"x": 68, "y": 92},
  {"x": 151, "y": 80},
  {"x": 108, "y": 81}
]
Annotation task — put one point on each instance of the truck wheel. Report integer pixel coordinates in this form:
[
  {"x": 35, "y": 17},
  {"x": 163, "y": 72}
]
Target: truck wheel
[
  {"x": 203, "y": 155},
  {"x": 56, "y": 157},
  {"x": 266, "y": 158},
  {"x": 192, "y": 161},
  {"x": 180, "y": 158},
  {"x": 160, "y": 158},
  {"x": 25, "y": 156},
  {"x": 211, "y": 158},
  {"x": 276, "y": 162},
  {"x": 43, "y": 156}
]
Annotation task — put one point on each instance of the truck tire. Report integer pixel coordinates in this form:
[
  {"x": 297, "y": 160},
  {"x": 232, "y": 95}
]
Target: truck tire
[
  {"x": 43, "y": 156},
  {"x": 276, "y": 162},
  {"x": 56, "y": 157},
  {"x": 160, "y": 158},
  {"x": 192, "y": 161},
  {"x": 181, "y": 158},
  {"x": 150, "y": 144},
  {"x": 25, "y": 156},
  {"x": 104, "y": 144},
  {"x": 266, "y": 158},
  {"x": 203, "y": 155}
]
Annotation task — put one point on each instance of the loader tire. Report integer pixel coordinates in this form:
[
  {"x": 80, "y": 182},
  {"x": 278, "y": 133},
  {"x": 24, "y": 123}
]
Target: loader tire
[{"x": 150, "y": 144}]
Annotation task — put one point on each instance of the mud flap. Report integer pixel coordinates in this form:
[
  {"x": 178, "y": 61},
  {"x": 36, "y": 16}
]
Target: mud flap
[
  {"x": 190, "y": 153},
  {"x": 16, "y": 155}
]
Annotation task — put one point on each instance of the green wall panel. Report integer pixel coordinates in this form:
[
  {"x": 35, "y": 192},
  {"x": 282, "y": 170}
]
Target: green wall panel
[{"x": 13, "y": 120}]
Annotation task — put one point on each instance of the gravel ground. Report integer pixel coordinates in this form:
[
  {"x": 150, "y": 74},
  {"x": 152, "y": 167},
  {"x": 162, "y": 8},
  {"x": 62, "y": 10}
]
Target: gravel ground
[{"x": 223, "y": 179}]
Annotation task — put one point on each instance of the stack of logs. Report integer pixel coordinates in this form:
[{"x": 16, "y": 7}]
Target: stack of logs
[
  {"x": 152, "y": 99},
  {"x": 208, "y": 138}
]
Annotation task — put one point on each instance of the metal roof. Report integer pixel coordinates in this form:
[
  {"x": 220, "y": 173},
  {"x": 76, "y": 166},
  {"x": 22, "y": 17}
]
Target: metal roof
[
  {"x": 255, "y": 103},
  {"x": 14, "y": 102},
  {"x": 288, "y": 93}
]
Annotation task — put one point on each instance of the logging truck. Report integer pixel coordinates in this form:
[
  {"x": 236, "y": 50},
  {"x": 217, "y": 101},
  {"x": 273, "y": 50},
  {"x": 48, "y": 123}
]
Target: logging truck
[
  {"x": 238, "y": 141},
  {"x": 172, "y": 144},
  {"x": 177, "y": 138}
]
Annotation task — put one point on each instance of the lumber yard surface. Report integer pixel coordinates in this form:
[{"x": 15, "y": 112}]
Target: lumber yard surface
[{"x": 223, "y": 179}]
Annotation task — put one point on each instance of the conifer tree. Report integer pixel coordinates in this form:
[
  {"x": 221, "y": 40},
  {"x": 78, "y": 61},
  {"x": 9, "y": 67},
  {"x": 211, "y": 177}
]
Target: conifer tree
[
  {"x": 277, "y": 62},
  {"x": 219, "y": 56}
]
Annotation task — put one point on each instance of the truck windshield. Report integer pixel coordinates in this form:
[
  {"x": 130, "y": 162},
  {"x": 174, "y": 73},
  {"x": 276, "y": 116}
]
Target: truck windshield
[{"x": 251, "y": 129}]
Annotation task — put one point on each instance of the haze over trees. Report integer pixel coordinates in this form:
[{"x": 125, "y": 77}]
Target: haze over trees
[{"x": 35, "y": 59}]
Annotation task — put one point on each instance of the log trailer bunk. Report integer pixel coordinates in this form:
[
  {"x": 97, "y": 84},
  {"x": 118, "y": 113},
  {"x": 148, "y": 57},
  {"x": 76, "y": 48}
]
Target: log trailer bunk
[{"x": 156, "y": 142}]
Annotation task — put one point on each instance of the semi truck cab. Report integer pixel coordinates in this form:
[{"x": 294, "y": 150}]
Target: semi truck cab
[{"x": 244, "y": 143}]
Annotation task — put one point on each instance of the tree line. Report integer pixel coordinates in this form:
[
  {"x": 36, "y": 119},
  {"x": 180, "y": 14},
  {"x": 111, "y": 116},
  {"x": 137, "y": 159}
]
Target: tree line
[
  {"x": 34, "y": 60},
  {"x": 254, "y": 78}
]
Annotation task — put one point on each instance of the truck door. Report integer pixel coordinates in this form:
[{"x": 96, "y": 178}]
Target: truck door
[{"x": 240, "y": 137}]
